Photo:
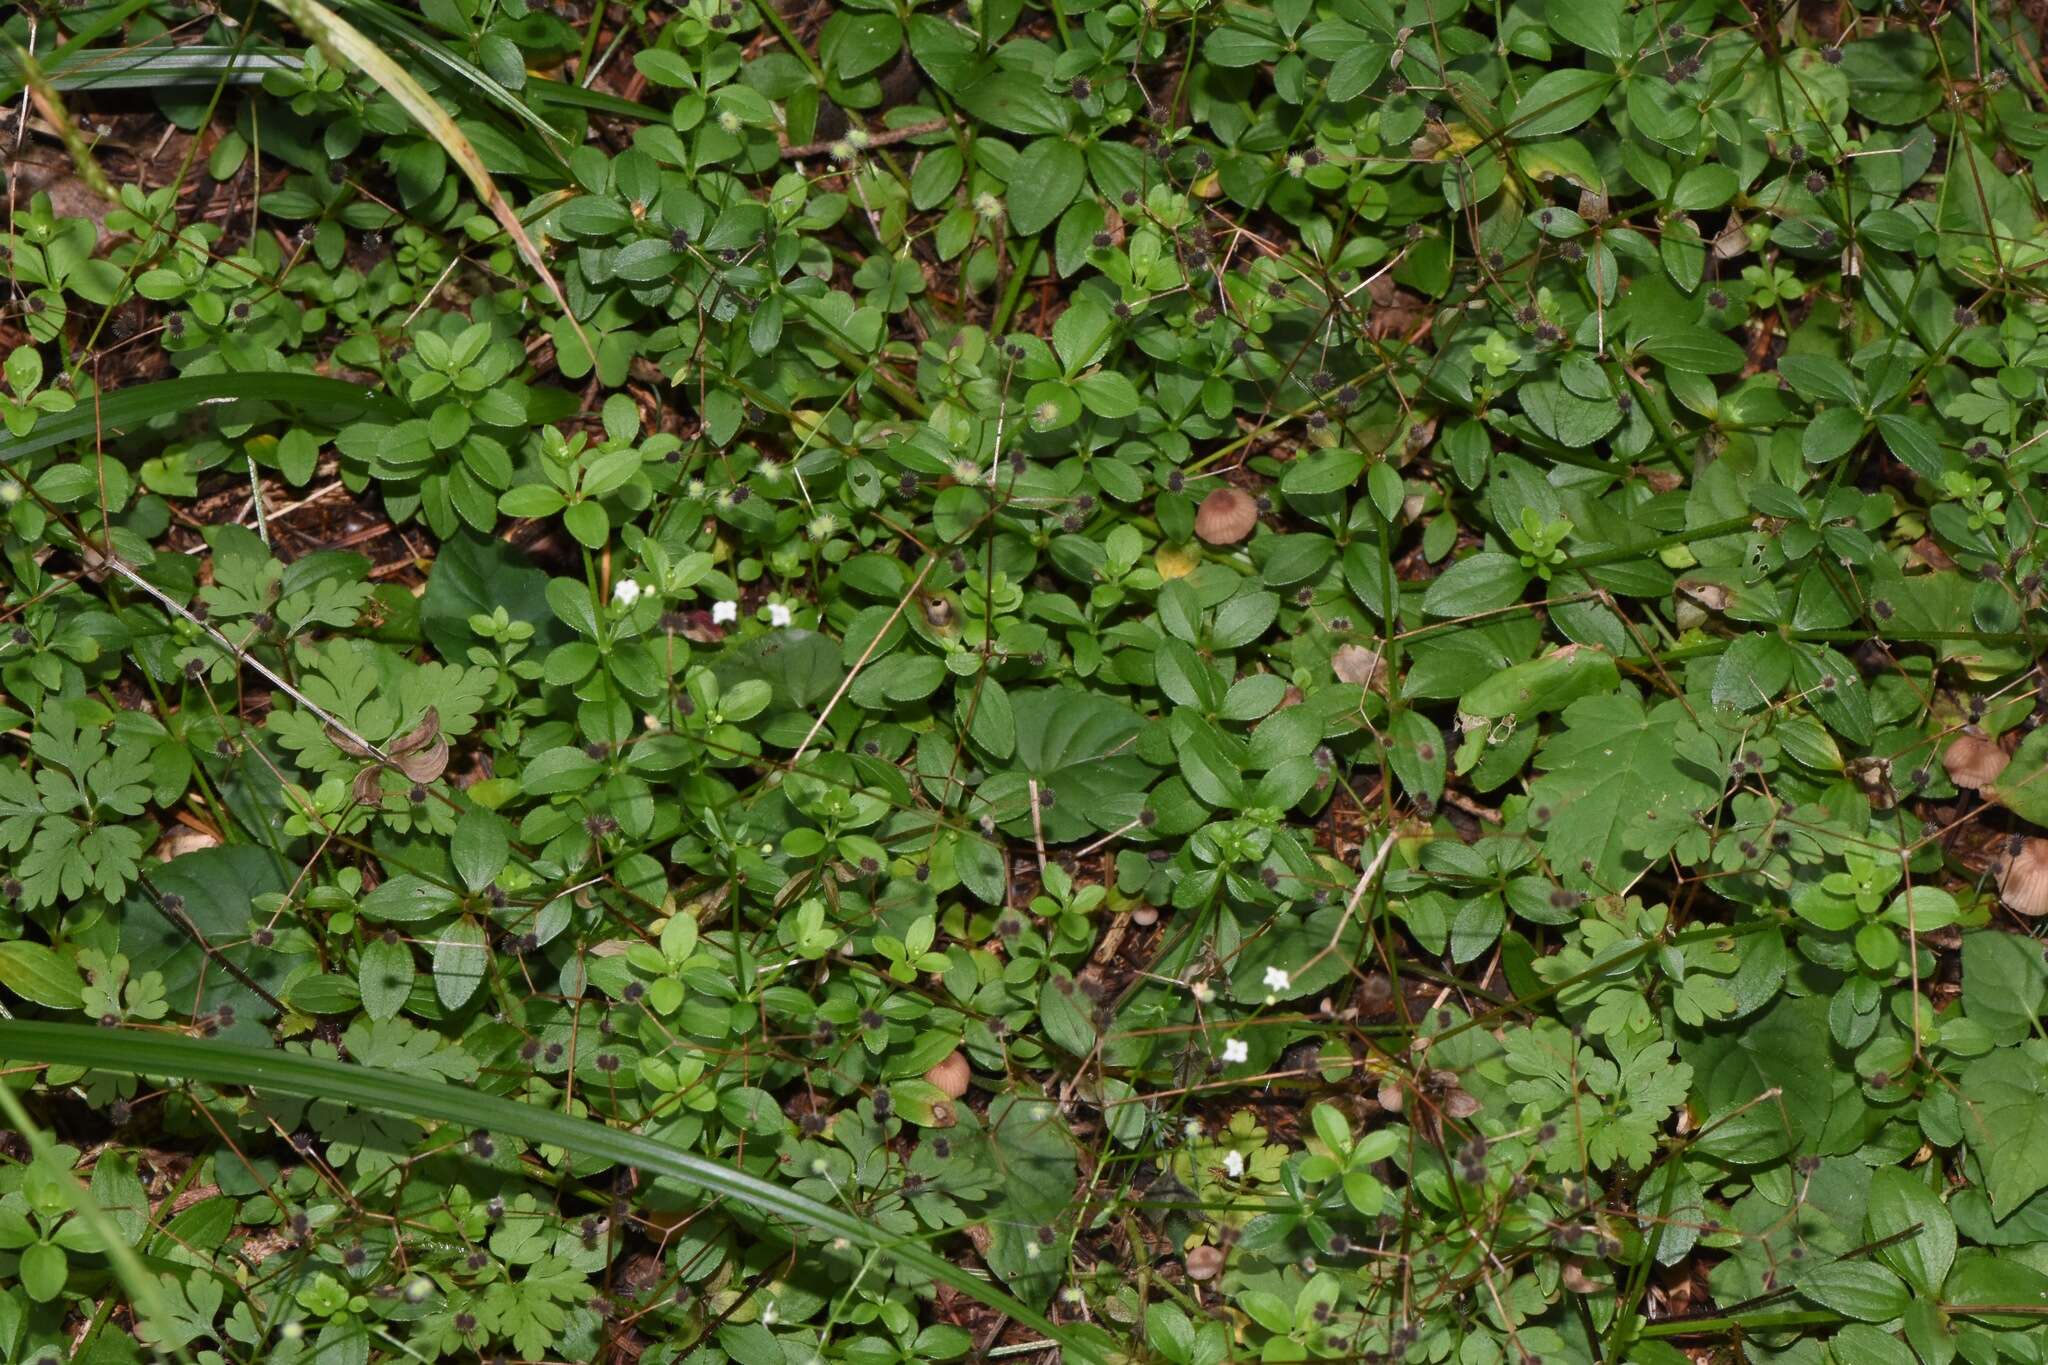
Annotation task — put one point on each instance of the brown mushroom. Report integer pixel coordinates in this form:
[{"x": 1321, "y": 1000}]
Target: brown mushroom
[
  {"x": 2023, "y": 878},
  {"x": 1205, "y": 1262},
  {"x": 951, "y": 1075},
  {"x": 1974, "y": 762},
  {"x": 1226, "y": 516}
]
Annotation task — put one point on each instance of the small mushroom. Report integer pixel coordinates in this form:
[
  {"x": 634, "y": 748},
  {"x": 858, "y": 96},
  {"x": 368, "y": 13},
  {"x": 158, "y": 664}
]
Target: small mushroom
[
  {"x": 951, "y": 1075},
  {"x": 2023, "y": 878},
  {"x": 1226, "y": 516},
  {"x": 1974, "y": 762},
  {"x": 1205, "y": 1262}
]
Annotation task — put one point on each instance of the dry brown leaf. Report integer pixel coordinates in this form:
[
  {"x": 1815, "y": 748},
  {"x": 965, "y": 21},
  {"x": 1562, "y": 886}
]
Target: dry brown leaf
[
  {"x": 1357, "y": 664},
  {"x": 428, "y": 763}
]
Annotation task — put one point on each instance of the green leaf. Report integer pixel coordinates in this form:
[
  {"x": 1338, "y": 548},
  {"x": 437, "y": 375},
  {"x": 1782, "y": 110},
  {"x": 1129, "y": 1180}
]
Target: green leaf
[
  {"x": 1566, "y": 417},
  {"x": 1550, "y": 683},
  {"x": 479, "y": 848},
  {"x": 37, "y": 974},
  {"x": 1326, "y": 471},
  {"x": 1477, "y": 583},
  {"x": 1695, "y": 350},
  {"x": 1900, "y": 1204},
  {"x": 1831, "y": 435},
  {"x": 1779, "y": 1063},
  {"x": 130, "y": 1053},
  {"x": 1595, "y": 25},
  {"x": 854, "y": 44},
  {"x": 1014, "y": 101},
  {"x": 1559, "y": 101},
  {"x": 2005, "y": 981},
  {"x": 43, "y": 1270},
  {"x": 1856, "y": 1289},
  {"x": 1077, "y": 746},
  {"x": 462, "y": 958},
  {"x": 1614, "y": 794},
  {"x": 1063, "y": 1010},
  {"x": 385, "y": 975},
  {"x": 1043, "y": 181},
  {"x": 2004, "y": 1101},
  {"x": 218, "y": 888},
  {"x": 1982, "y": 1284}
]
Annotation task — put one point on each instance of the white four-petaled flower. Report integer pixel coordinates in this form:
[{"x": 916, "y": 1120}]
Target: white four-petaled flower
[
  {"x": 723, "y": 613},
  {"x": 778, "y": 615},
  {"x": 626, "y": 592},
  {"x": 1277, "y": 980},
  {"x": 1234, "y": 1051},
  {"x": 1233, "y": 1164}
]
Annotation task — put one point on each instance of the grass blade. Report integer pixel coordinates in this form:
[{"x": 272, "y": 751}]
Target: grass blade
[
  {"x": 127, "y": 408},
  {"x": 391, "y": 22},
  {"x": 89, "y": 30},
  {"x": 347, "y": 47},
  {"x": 155, "y": 65},
  {"x": 133, "y": 1052},
  {"x": 570, "y": 95}
]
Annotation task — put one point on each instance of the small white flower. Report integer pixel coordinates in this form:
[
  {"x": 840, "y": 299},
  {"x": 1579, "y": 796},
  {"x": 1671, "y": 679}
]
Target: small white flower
[
  {"x": 1191, "y": 1131},
  {"x": 778, "y": 615},
  {"x": 1233, "y": 1165},
  {"x": 1234, "y": 1051},
  {"x": 723, "y": 613},
  {"x": 1277, "y": 980},
  {"x": 626, "y": 592}
]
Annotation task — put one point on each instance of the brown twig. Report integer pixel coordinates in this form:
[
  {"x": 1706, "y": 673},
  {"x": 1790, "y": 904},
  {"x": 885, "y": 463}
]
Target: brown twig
[{"x": 888, "y": 139}]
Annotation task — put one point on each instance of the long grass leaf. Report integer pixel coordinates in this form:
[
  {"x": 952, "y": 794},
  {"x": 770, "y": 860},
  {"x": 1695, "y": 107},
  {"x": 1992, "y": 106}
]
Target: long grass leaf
[
  {"x": 393, "y": 23},
  {"x": 347, "y": 47},
  {"x": 573, "y": 96},
  {"x": 124, "y": 409},
  {"x": 89, "y": 30},
  {"x": 155, "y": 65},
  {"x": 133, "y": 1052}
]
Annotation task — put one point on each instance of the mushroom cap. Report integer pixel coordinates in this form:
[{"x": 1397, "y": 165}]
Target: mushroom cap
[
  {"x": 1226, "y": 516},
  {"x": 2023, "y": 878},
  {"x": 1974, "y": 762},
  {"x": 951, "y": 1075}
]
